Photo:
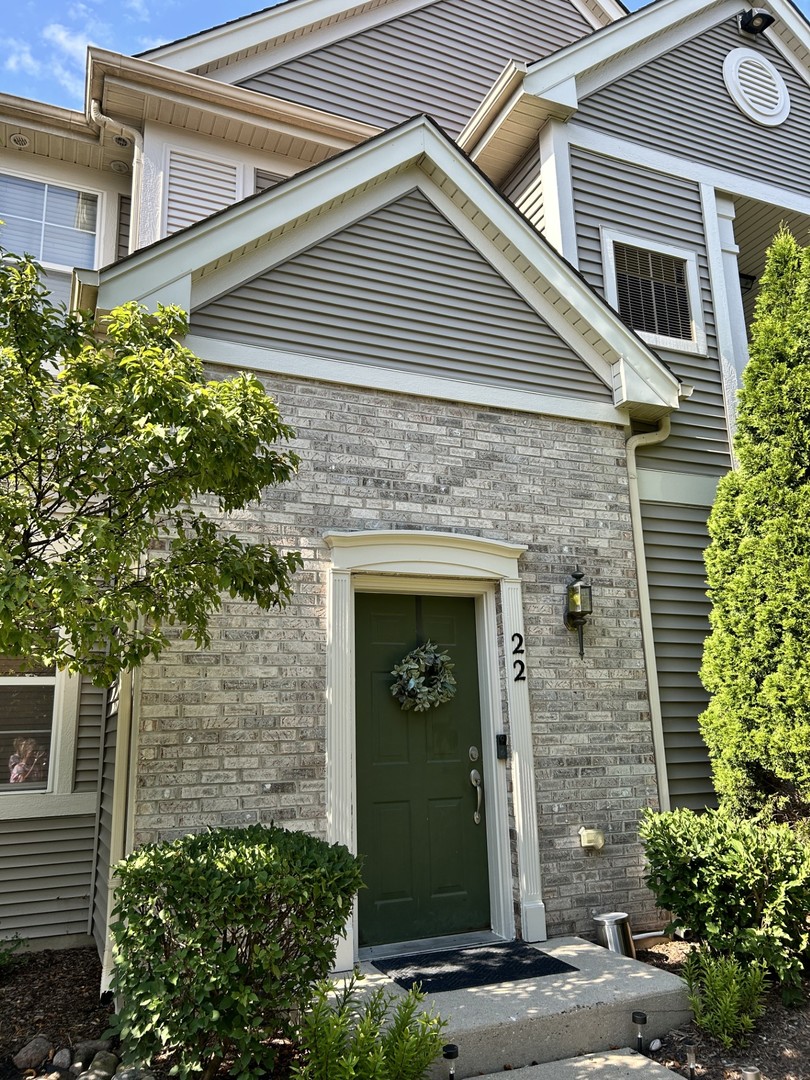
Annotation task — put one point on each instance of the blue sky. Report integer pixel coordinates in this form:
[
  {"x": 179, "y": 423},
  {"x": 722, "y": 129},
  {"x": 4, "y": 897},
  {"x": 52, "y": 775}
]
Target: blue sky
[{"x": 43, "y": 42}]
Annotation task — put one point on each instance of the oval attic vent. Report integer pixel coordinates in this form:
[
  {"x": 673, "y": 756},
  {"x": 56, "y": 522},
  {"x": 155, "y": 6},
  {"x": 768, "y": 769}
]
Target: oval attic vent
[
  {"x": 19, "y": 140},
  {"x": 756, "y": 87}
]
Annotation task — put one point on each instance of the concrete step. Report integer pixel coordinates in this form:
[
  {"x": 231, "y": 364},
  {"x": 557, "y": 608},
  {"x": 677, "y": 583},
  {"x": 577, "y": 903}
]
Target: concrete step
[
  {"x": 622, "y": 1064},
  {"x": 558, "y": 1017}
]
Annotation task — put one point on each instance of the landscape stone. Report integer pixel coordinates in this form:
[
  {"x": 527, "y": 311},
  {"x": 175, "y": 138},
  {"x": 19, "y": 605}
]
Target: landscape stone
[
  {"x": 84, "y": 1052},
  {"x": 33, "y": 1053},
  {"x": 62, "y": 1059},
  {"x": 102, "y": 1067}
]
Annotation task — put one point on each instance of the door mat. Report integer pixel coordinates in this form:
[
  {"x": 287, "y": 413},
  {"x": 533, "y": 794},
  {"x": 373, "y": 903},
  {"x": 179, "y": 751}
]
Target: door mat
[{"x": 479, "y": 965}]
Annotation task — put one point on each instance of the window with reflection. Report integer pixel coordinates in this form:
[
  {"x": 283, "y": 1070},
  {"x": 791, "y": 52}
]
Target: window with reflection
[{"x": 26, "y": 725}]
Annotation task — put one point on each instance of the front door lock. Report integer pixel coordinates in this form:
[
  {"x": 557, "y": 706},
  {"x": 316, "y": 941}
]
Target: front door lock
[
  {"x": 473, "y": 753},
  {"x": 477, "y": 783}
]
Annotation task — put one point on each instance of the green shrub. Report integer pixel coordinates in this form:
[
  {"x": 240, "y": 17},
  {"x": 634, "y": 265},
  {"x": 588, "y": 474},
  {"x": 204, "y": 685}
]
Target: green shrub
[
  {"x": 221, "y": 938},
  {"x": 741, "y": 887},
  {"x": 725, "y": 997},
  {"x": 8, "y": 946},
  {"x": 348, "y": 1036}
]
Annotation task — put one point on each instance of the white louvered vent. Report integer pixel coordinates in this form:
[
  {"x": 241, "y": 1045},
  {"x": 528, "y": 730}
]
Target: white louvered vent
[
  {"x": 756, "y": 87},
  {"x": 197, "y": 187}
]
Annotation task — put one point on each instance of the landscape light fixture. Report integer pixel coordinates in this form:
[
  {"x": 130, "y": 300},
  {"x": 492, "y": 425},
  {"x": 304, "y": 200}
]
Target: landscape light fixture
[
  {"x": 691, "y": 1058},
  {"x": 578, "y": 605},
  {"x": 639, "y": 1019},
  {"x": 450, "y": 1053},
  {"x": 756, "y": 21}
]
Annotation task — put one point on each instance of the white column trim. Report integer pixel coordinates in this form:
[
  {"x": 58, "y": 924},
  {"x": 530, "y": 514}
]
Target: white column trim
[{"x": 559, "y": 222}]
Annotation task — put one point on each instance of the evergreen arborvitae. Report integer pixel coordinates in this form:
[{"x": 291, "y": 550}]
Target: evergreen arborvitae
[{"x": 756, "y": 663}]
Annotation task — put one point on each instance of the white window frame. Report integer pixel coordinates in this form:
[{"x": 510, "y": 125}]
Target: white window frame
[
  {"x": 58, "y": 798},
  {"x": 51, "y": 181},
  {"x": 610, "y": 237}
]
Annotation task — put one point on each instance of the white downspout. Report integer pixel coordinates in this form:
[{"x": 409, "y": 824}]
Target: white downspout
[
  {"x": 650, "y": 438},
  {"x": 103, "y": 121}
]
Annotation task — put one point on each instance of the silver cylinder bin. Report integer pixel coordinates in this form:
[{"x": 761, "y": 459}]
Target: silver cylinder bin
[{"x": 613, "y": 932}]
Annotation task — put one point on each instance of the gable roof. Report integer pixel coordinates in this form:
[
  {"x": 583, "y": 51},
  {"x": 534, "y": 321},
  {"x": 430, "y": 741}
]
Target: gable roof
[
  {"x": 214, "y": 256},
  {"x": 525, "y": 96},
  {"x": 296, "y": 27}
]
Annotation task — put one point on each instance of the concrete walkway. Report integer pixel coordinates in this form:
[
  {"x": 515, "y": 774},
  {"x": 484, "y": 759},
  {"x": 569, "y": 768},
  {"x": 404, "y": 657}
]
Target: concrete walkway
[{"x": 549, "y": 1020}]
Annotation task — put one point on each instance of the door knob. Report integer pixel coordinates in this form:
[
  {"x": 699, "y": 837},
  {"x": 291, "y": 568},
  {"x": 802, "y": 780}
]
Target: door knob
[{"x": 477, "y": 783}]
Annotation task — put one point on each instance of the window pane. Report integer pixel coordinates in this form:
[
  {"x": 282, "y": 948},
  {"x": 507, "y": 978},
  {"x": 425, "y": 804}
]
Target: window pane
[
  {"x": 26, "y": 719},
  {"x": 21, "y": 198},
  {"x": 21, "y": 237},
  {"x": 68, "y": 247},
  {"x": 652, "y": 292},
  {"x": 21, "y": 665},
  {"x": 72, "y": 208}
]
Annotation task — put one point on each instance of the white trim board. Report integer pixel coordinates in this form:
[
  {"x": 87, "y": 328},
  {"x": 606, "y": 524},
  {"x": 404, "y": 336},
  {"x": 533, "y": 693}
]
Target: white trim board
[
  {"x": 368, "y": 376},
  {"x": 446, "y": 564}
]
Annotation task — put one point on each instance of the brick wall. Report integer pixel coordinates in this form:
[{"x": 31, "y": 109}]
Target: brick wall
[{"x": 236, "y": 734}]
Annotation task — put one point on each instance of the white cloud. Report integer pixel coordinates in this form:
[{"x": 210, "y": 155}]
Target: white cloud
[
  {"x": 73, "y": 45},
  {"x": 71, "y": 81},
  {"x": 139, "y": 9},
  {"x": 19, "y": 57}
]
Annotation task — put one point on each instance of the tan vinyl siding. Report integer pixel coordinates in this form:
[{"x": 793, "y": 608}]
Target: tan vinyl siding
[
  {"x": 523, "y": 188},
  {"x": 439, "y": 60},
  {"x": 650, "y": 205},
  {"x": 45, "y": 871},
  {"x": 102, "y": 867},
  {"x": 197, "y": 187},
  {"x": 91, "y": 710},
  {"x": 402, "y": 289},
  {"x": 674, "y": 539},
  {"x": 679, "y": 104}
]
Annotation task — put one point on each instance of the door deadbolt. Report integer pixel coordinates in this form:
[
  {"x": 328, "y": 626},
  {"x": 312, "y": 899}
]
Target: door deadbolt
[{"x": 473, "y": 753}]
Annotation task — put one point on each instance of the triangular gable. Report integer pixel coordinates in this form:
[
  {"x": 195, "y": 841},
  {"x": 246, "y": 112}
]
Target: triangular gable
[
  {"x": 298, "y": 27},
  {"x": 439, "y": 59},
  {"x": 216, "y": 256},
  {"x": 679, "y": 104},
  {"x": 403, "y": 290},
  {"x": 524, "y": 97}
]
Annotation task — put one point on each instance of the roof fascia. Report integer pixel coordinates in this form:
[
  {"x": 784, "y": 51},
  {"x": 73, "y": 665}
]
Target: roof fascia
[
  {"x": 153, "y": 79},
  {"x": 656, "y": 25},
  {"x": 225, "y": 40},
  {"x": 609, "y": 8},
  {"x": 143, "y": 273},
  {"x": 48, "y": 118}
]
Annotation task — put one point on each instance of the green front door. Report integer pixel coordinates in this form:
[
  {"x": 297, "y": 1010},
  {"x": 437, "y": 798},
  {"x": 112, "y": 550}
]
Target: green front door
[{"x": 425, "y": 858}]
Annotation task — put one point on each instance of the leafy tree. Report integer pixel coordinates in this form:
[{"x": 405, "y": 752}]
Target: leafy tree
[
  {"x": 119, "y": 466},
  {"x": 756, "y": 663}
]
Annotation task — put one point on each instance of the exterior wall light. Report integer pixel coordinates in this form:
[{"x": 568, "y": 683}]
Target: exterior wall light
[
  {"x": 756, "y": 20},
  {"x": 578, "y": 605}
]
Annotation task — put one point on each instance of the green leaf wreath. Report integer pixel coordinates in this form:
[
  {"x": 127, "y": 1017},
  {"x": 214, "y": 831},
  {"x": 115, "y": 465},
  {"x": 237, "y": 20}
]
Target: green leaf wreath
[{"x": 424, "y": 679}]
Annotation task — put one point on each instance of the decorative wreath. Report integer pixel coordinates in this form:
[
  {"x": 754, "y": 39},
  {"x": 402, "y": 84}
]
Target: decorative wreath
[{"x": 424, "y": 679}]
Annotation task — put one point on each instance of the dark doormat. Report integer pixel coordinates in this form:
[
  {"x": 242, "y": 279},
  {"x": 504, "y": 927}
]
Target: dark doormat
[{"x": 479, "y": 965}]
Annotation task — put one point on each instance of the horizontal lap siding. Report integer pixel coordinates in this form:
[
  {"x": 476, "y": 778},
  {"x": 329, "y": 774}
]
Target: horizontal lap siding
[
  {"x": 440, "y": 60},
  {"x": 523, "y": 188},
  {"x": 679, "y": 104},
  {"x": 649, "y": 204},
  {"x": 675, "y": 538},
  {"x": 402, "y": 289},
  {"x": 45, "y": 873}
]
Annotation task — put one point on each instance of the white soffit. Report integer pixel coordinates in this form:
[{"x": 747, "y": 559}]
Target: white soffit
[{"x": 312, "y": 201}]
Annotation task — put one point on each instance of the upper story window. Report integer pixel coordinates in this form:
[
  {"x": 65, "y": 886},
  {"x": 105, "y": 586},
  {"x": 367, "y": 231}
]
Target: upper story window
[
  {"x": 56, "y": 225},
  {"x": 656, "y": 290},
  {"x": 26, "y": 725}
]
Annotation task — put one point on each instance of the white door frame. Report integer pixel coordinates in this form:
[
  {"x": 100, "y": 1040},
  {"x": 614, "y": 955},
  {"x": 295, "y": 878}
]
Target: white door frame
[{"x": 455, "y": 565}]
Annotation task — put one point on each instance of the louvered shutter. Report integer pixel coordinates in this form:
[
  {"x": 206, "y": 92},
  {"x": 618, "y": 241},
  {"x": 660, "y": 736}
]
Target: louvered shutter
[{"x": 197, "y": 187}]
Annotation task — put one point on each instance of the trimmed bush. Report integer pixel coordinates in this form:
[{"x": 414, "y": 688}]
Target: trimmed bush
[
  {"x": 740, "y": 887},
  {"x": 220, "y": 940},
  {"x": 380, "y": 1036}
]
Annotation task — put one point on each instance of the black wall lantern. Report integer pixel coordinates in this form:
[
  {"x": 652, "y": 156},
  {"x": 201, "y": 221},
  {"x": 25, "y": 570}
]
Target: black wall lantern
[
  {"x": 578, "y": 605},
  {"x": 756, "y": 21}
]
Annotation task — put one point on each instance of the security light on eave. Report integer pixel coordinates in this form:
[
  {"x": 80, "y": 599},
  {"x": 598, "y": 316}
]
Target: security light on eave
[{"x": 756, "y": 20}]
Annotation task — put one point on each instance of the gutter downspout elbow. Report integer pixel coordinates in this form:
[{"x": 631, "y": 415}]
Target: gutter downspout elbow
[
  {"x": 650, "y": 438},
  {"x": 106, "y": 122}
]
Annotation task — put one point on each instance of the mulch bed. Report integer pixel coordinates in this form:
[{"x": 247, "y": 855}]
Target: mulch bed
[{"x": 57, "y": 993}]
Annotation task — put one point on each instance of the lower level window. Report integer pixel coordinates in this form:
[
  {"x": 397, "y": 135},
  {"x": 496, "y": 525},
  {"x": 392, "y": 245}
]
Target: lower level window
[{"x": 26, "y": 725}]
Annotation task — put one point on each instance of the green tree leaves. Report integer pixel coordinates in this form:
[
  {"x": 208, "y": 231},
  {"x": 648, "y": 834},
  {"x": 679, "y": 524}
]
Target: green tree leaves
[
  {"x": 121, "y": 468},
  {"x": 756, "y": 662}
]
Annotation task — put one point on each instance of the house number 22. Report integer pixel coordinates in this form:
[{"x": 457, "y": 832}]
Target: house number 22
[{"x": 518, "y": 665}]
